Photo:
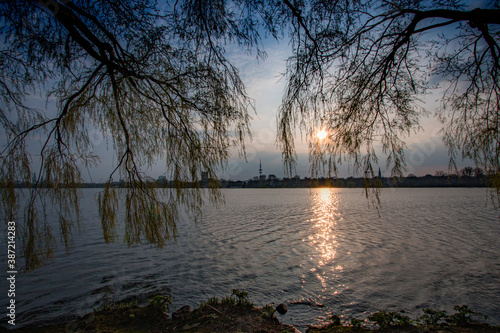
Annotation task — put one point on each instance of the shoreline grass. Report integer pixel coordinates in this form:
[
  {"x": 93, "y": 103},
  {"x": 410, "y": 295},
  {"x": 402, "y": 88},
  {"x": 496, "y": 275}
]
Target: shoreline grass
[{"x": 236, "y": 313}]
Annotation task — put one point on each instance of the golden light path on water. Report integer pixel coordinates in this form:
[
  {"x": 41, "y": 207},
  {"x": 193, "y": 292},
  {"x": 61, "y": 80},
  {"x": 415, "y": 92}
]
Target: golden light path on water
[{"x": 323, "y": 237}]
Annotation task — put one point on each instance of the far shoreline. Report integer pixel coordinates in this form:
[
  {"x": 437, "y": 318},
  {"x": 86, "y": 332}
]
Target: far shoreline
[{"x": 427, "y": 181}]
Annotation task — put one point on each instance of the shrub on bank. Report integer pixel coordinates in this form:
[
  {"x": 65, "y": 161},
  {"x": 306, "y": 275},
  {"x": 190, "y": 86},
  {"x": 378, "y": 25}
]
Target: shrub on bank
[{"x": 463, "y": 320}]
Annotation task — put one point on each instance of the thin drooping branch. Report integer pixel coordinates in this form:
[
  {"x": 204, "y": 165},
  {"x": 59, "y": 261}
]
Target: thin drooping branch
[
  {"x": 298, "y": 15},
  {"x": 138, "y": 76},
  {"x": 365, "y": 84}
]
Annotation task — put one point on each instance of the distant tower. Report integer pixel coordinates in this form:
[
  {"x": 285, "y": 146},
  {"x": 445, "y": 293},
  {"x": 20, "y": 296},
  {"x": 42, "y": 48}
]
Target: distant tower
[
  {"x": 379, "y": 173},
  {"x": 260, "y": 169}
]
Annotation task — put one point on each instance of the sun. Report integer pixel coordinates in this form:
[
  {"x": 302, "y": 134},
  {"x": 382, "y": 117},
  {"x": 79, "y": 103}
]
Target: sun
[{"x": 322, "y": 135}]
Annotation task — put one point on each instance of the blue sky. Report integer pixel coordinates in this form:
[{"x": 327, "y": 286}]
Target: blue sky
[
  {"x": 425, "y": 154},
  {"x": 265, "y": 84}
]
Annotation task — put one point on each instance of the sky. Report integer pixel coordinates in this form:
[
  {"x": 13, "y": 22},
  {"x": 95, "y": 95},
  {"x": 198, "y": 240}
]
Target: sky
[
  {"x": 265, "y": 83},
  {"x": 426, "y": 153}
]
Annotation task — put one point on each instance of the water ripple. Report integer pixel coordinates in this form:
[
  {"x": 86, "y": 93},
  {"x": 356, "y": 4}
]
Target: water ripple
[{"x": 323, "y": 251}]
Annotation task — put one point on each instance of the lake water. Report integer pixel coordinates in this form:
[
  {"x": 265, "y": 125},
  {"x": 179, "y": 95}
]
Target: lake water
[{"x": 321, "y": 251}]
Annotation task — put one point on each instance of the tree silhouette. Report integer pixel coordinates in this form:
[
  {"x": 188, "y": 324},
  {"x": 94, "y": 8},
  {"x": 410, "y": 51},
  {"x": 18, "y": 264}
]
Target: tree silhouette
[
  {"x": 155, "y": 80},
  {"x": 467, "y": 171},
  {"x": 361, "y": 68},
  {"x": 478, "y": 172}
]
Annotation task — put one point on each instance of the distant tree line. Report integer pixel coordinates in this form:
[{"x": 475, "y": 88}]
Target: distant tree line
[
  {"x": 465, "y": 177},
  {"x": 452, "y": 180}
]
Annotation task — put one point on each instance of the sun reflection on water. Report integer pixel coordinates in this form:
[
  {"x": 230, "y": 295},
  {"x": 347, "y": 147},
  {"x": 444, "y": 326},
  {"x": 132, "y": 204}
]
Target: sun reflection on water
[
  {"x": 323, "y": 237},
  {"x": 325, "y": 205}
]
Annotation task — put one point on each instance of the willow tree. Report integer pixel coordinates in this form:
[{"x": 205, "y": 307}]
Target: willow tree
[
  {"x": 360, "y": 69},
  {"x": 152, "y": 78},
  {"x": 155, "y": 79}
]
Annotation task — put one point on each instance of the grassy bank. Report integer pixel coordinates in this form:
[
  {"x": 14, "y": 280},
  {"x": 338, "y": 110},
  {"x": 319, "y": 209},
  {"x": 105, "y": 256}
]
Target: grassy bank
[
  {"x": 237, "y": 314},
  {"x": 462, "y": 321}
]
